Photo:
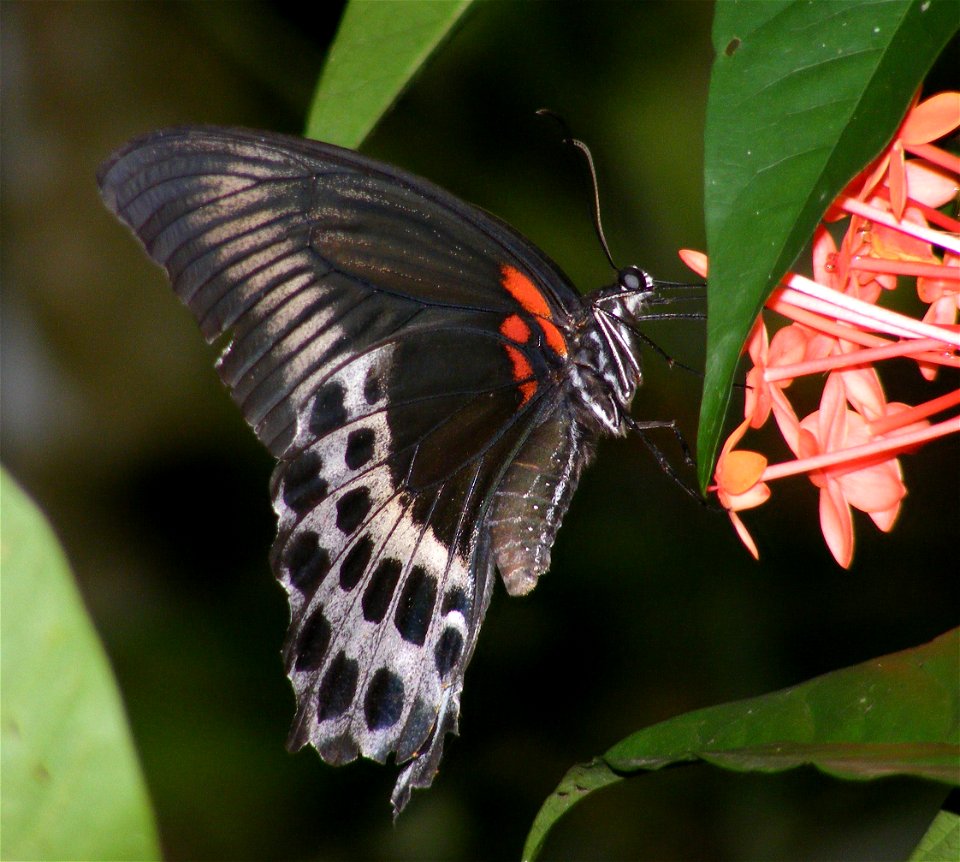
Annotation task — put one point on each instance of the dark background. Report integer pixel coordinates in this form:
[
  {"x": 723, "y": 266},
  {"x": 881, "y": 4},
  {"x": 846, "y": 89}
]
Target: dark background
[{"x": 114, "y": 420}]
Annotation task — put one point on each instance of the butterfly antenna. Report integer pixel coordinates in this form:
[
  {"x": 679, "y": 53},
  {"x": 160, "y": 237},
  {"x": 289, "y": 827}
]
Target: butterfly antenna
[
  {"x": 570, "y": 140},
  {"x": 588, "y": 156}
]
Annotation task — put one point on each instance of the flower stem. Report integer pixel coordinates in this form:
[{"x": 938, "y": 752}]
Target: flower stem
[
  {"x": 878, "y": 216},
  {"x": 888, "y": 446},
  {"x": 901, "y": 267},
  {"x": 936, "y": 156},
  {"x": 914, "y": 414},
  {"x": 915, "y": 349}
]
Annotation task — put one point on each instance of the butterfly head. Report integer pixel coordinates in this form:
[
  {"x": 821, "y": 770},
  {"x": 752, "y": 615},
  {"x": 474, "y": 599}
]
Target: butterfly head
[{"x": 628, "y": 298}]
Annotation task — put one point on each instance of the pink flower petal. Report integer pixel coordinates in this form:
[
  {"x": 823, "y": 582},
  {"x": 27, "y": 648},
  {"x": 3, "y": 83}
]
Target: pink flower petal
[
  {"x": 695, "y": 260},
  {"x": 931, "y": 119},
  {"x": 787, "y": 347},
  {"x": 872, "y": 489},
  {"x": 744, "y": 534},
  {"x": 756, "y": 399},
  {"x": 929, "y": 184},
  {"x": 739, "y": 471},
  {"x": 931, "y": 289},
  {"x": 886, "y": 519},
  {"x": 890, "y": 243},
  {"x": 832, "y": 416},
  {"x": 836, "y": 524},
  {"x": 786, "y": 419},
  {"x": 824, "y": 258},
  {"x": 863, "y": 390},
  {"x": 897, "y": 180}
]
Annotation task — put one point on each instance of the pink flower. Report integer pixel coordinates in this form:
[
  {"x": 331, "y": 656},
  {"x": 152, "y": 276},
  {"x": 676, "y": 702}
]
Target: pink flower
[
  {"x": 849, "y": 446},
  {"x": 738, "y": 483},
  {"x": 873, "y": 486}
]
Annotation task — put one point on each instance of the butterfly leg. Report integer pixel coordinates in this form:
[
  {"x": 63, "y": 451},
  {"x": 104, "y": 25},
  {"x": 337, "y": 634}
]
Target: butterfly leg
[{"x": 641, "y": 429}]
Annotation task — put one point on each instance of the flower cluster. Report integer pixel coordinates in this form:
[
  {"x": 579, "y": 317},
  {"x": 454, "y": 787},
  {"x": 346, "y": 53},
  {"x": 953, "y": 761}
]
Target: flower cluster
[{"x": 848, "y": 448}]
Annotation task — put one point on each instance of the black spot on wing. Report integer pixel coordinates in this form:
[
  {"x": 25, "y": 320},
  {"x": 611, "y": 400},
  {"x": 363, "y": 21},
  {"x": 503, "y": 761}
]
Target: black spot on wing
[
  {"x": 447, "y": 651},
  {"x": 338, "y": 688},
  {"x": 355, "y": 563},
  {"x": 416, "y": 606},
  {"x": 328, "y": 412},
  {"x": 379, "y": 591},
  {"x": 303, "y": 487},
  {"x": 383, "y": 704},
  {"x": 359, "y": 449},
  {"x": 307, "y": 563},
  {"x": 417, "y": 728},
  {"x": 313, "y": 642},
  {"x": 352, "y": 508},
  {"x": 373, "y": 386},
  {"x": 455, "y": 599}
]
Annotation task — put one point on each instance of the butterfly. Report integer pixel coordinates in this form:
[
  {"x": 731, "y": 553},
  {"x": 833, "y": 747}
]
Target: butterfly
[{"x": 430, "y": 383}]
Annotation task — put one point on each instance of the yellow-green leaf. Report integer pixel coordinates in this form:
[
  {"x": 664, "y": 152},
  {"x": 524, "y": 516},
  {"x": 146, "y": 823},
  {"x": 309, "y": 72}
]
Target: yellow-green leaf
[
  {"x": 378, "y": 50},
  {"x": 72, "y": 786}
]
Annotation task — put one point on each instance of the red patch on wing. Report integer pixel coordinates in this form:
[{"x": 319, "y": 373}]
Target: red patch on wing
[
  {"x": 515, "y": 329},
  {"x": 524, "y": 291},
  {"x": 554, "y": 337},
  {"x": 522, "y": 373}
]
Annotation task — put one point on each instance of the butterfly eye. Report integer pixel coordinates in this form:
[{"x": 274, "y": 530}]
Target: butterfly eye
[{"x": 632, "y": 278}]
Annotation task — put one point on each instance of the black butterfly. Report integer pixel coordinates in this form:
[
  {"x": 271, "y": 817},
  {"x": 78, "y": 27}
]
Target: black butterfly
[{"x": 431, "y": 384}]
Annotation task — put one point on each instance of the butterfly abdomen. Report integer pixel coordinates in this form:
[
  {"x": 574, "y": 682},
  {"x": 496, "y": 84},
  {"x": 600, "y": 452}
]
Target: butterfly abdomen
[{"x": 533, "y": 497}]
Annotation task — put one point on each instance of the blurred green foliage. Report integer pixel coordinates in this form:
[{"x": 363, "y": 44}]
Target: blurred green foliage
[
  {"x": 72, "y": 786},
  {"x": 379, "y": 49}
]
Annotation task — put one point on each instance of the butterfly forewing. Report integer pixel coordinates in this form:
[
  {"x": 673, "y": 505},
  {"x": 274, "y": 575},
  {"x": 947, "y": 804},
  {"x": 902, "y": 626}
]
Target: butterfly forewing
[{"x": 395, "y": 349}]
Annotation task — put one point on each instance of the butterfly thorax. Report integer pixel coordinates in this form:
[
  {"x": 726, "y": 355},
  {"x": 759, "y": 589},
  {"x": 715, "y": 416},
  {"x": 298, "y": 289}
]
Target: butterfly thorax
[
  {"x": 603, "y": 374},
  {"x": 605, "y": 371}
]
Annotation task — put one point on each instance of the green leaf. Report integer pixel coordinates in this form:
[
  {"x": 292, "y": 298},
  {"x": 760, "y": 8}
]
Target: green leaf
[
  {"x": 72, "y": 787},
  {"x": 802, "y": 97},
  {"x": 941, "y": 843},
  {"x": 579, "y": 782},
  {"x": 896, "y": 715},
  {"x": 378, "y": 50}
]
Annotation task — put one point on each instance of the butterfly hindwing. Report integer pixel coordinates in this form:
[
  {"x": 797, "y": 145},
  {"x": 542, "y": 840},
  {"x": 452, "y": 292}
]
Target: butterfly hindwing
[
  {"x": 377, "y": 549},
  {"x": 394, "y": 349}
]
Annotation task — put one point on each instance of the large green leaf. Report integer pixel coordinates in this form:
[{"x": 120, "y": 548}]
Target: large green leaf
[
  {"x": 896, "y": 715},
  {"x": 378, "y": 50},
  {"x": 72, "y": 787},
  {"x": 802, "y": 96}
]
